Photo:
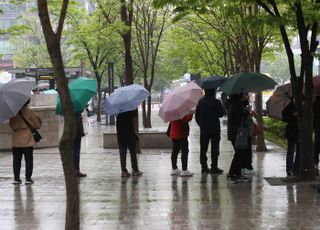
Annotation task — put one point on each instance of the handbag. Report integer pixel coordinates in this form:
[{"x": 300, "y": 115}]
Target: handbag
[
  {"x": 35, "y": 133},
  {"x": 242, "y": 138},
  {"x": 256, "y": 129}
]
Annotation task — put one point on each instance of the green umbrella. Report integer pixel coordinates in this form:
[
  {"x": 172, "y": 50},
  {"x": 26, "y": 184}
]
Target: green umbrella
[
  {"x": 81, "y": 91},
  {"x": 247, "y": 82}
]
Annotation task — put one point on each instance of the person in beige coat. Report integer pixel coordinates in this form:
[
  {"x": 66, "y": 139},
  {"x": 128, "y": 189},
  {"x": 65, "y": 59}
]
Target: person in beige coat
[{"x": 23, "y": 141}]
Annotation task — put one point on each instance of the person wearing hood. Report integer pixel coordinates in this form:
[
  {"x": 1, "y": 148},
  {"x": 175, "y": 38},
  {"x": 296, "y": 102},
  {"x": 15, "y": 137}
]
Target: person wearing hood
[{"x": 208, "y": 112}]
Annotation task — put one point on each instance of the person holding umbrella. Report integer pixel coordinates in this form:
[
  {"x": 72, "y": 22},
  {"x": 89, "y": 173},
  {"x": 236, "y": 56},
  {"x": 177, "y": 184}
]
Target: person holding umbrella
[
  {"x": 179, "y": 132},
  {"x": 23, "y": 141},
  {"x": 77, "y": 144},
  {"x": 127, "y": 139},
  {"x": 238, "y": 115},
  {"x": 289, "y": 115},
  {"x": 208, "y": 112}
]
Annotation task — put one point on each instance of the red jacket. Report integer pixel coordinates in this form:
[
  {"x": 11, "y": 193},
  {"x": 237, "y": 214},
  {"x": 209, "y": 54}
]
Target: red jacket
[{"x": 180, "y": 128}]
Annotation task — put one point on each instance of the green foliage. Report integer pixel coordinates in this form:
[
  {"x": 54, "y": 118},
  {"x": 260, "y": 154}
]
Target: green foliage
[{"x": 275, "y": 131}]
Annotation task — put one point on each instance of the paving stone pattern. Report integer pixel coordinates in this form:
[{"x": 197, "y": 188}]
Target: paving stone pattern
[{"x": 156, "y": 200}]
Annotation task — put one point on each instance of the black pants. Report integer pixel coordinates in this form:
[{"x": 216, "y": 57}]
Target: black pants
[
  {"x": 292, "y": 160},
  {"x": 76, "y": 153},
  {"x": 177, "y": 145},
  {"x": 123, "y": 157},
  {"x": 316, "y": 146},
  {"x": 204, "y": 143},
  {"x": 17, "y": 157},
  {"x": 238, "y": 161},
  {"x": 248, "y": 155}
]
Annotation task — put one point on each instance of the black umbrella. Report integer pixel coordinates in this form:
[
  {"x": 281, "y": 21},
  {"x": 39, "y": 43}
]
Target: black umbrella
[{"x": 212, "y": 82}]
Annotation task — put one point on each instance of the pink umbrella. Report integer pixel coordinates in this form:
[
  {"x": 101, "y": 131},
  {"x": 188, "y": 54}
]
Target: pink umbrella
[{"x": 180, "y": 102}]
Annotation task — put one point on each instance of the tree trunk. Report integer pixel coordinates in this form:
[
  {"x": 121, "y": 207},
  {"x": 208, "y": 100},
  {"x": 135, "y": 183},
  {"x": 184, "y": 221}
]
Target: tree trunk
[
  {"x": 146, "y": 113},
  {"x": 99, "y": 99},
  {"x": 66, "y": 141},
  {"x": 261, "y": 145}
]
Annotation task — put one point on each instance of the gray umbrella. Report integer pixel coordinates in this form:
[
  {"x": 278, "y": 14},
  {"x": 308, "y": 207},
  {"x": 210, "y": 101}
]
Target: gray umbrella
[
  {"x": 280, "y": 98},
  {"x": 13, "y": 95}
]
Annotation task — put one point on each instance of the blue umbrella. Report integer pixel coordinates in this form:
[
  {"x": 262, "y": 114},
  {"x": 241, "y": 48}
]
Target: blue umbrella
[
  {"x": 125, "y": 99},
  {"x": 212, "y": 82}
]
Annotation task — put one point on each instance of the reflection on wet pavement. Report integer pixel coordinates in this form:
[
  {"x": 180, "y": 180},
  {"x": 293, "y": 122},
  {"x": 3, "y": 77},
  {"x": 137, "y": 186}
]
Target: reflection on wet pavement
[{"x": 156, "y": 200}]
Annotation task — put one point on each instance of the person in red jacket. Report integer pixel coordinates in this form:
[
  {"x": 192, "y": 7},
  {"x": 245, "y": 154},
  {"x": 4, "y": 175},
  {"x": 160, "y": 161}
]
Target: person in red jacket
[{"x": 179, "y": 133}]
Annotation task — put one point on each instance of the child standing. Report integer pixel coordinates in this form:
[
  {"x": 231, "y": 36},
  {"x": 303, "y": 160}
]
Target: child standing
[{"x": 179, "y": 133}]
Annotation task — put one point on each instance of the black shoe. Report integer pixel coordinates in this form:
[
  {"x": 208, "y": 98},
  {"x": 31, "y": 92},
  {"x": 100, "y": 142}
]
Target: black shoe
[
  {"x": 18, "y": 181},
  {"x": 216, "y": 171},
  {"x": 80, "y": 174},
  {"x": 29, "y": 181},
  {"x": 205, "y": 171},
  {"x": 289, "y": 173},
  {"x": 232, "y": 179}
]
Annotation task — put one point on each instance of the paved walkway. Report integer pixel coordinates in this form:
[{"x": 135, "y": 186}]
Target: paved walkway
[{"x": 156, "y": 200}]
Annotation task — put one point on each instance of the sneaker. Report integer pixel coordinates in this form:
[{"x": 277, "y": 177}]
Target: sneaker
[
  {"x": 17, "y": 181},
  {"x": 80, "y": 174},
  {"x": 205, "y": 171},
  {"x": 248, "y": 171},
  {"x": 232, "y": 179},
  {"x": 216, "y": 171},
  {"x": 186, "y": 173},
  {"x": 243, "y": 179},
  {"x": 29, "y": 181},
  {"x": 175, "y": 172},
  {"x": 289, "y": 173},
  {"x": 125, "y": 174},
  {"x": 137, "y": 173}
]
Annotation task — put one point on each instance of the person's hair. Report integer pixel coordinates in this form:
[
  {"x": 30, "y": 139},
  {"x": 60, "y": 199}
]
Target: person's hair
[{"x": 210, "y": 92}]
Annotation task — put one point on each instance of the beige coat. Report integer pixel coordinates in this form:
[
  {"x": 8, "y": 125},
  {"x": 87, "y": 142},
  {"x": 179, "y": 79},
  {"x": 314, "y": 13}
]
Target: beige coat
[{"x": 22, "y": 136}]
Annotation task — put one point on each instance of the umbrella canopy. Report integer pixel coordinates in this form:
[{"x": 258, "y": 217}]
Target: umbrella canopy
[
  {"x": 212, "y": 82},
  {"x": 316, "y": 85},
  {"x": 180, "y": 101},
  {"x": 247, "y": 82},
  {"x": 278, "y": 101},
  {"x": 13, "y": 95},
  {"x": 81, "y": 91},
  {"x": 125, "y": 99}
]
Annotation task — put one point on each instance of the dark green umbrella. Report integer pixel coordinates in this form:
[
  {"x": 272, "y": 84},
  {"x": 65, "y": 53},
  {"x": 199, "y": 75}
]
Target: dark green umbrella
[
  {"x": 81, "y": 91},
  {"x": 247, "y": 82}
]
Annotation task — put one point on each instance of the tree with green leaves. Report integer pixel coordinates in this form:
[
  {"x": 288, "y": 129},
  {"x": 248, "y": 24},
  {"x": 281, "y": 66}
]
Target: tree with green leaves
[
  {"x": 93, "y": 39},
  {"x": 242, "y": 40},
  {"x": 149, "y": 25},
  {"x": 303, "y": 15},
  {"x": 53, "y": 42}
]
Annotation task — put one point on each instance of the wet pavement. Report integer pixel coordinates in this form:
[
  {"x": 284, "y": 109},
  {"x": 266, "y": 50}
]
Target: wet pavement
[{"x": 156, "y": 200}]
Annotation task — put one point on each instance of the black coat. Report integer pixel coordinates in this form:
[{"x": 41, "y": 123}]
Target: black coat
[
  {"x": 316, "y": 114},
  {"x": 79, "y": 125},
  {"x": 208, "y": 112},
  {"x": 236, "y": 114},
  {"x": 126, "y": 134},
  {"x": 292, "y": 128}
]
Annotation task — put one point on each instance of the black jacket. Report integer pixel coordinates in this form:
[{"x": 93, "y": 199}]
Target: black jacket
[
  {"x": 292, "y": 128},
  {"x": 236, "y": 114},
  {"x": 316, "y": 114},
  {"x": 208, "y": 112},
  {"x": 79, "y": 125},
  {"x": 126, "y": 134}
]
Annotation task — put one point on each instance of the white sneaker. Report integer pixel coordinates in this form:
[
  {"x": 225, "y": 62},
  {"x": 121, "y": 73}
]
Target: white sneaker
[
  {"x": 175, "y": 172},
  {"x": 248, "y": 172},
  {"x": 186, "y": 173}
]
